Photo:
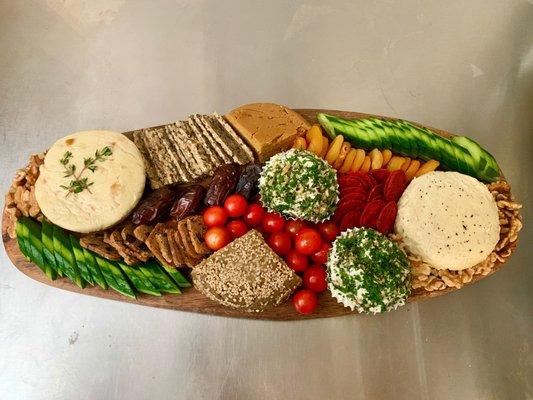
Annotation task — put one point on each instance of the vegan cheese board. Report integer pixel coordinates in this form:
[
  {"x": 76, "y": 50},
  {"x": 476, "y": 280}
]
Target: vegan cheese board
[{"x": 264, "y": 212}]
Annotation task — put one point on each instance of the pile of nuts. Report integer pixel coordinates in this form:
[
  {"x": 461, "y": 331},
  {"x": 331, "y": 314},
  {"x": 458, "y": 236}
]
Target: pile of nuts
[
  {"x": 431, "y": 279},
  {"x": 20, "y": 199}
]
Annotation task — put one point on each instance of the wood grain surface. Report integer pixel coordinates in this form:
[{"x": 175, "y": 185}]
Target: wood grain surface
[{"x": 192, "y": 300}]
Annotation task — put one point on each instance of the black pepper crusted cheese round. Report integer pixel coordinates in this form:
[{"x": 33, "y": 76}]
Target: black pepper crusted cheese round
[
  {"x": 367, "y": 272},
  {"x": 299, "y": 184},
  {"x": 448, "y": 219}
]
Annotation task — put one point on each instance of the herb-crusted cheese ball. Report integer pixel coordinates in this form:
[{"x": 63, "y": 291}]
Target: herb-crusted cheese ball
[
  {"x": 299, "y": 184},
  {"x": 368, "y": 272}
]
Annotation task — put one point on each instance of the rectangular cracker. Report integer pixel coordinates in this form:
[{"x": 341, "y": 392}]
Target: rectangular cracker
[
  {"x": 197, "y": 229},
  {"x": 242, "y": 150},
  {"x": 218, "y": 145},
  {"x": 177, "y": 134},
  {"x": 151, "y": 171},
  {"x": 207, "y": 144},
  {"x": 175, "y": 159},
  {"x": 161, "y": 156}
]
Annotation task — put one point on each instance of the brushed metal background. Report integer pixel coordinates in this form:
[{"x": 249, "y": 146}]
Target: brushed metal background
[{"x": 463, "y": 66}]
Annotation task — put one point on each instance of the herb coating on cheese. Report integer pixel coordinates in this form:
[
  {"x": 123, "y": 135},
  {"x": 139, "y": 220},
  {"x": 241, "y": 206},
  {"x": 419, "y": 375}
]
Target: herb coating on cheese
[
  {"x": 368, "y": 272},
  {"x": 299, "y": 184}
]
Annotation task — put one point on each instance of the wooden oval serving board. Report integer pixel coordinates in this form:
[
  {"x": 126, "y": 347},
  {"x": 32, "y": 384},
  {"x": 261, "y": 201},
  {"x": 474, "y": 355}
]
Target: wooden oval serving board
[{"x": 192, "y": 300}]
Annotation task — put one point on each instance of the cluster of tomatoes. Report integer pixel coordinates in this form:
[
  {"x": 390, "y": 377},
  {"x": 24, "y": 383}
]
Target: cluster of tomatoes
[{"x": 304, "y": 246}]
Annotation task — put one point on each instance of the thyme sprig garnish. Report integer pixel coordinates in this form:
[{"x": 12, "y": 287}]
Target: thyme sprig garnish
[{"x": 79, "y": 184}]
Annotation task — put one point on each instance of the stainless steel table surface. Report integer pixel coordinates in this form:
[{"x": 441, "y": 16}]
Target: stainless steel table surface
[{"x": 464, "y": 66}]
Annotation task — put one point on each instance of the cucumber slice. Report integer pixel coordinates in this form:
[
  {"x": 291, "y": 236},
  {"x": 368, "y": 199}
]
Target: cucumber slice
[
  {"x": 433, "y": 142},
  {"x": 395, "y": 140},
  {"x": 388, "y": 138},
  {"x": 93, "y": 267},
  {"x": 139, "y": 280},
  {"x": 424, "y": 141},
  {"x": 114, "y": 277},
  {"x": 404, "y": 145},
  {"x": 35, "y": 247},
  {"x": 369, "y": 134},
  {"x": 176, "y": 276},
  {"x": 491, "y": 174},
  {"x": 47, "y": 237},
  {"x": 121, "y": 280},
  {"x": 485, "y": 164},
  {"x": 324, "y": 121},
  {"x": 412, "y": 138},
  {"x": 24, "y": 234},
  {"x": 80, "y": 260},
  {"x": 382, "y": 139},
  {"x": 447, "y": 155},
  {"x": 466, "y": 164},
  {"x": 473, "y": 149},
  {"x": 351, "y": 130},
  {"x": 65, "y": 257},
  {"x": 106, "y": 273},
  {"x": 158, "y": 278},
  {"x": 355, "y": 134},
  {"x": 22, "y": 240}
]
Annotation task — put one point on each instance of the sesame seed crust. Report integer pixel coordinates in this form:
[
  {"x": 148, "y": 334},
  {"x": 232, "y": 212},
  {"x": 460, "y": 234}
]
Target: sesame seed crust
[{"x": 245, "y": 274}]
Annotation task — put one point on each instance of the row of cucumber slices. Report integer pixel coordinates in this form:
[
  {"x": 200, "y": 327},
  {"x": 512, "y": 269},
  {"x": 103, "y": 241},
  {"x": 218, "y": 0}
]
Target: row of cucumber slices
[
  {"x": 58, "y": 253},
  {"x": 459, "y": 153}
]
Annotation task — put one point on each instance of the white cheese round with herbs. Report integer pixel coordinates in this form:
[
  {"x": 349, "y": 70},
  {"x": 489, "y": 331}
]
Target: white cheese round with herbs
[
  {"x": 367, "y": 272},
  {"x": 298, "y": 184},
  {"x": 448, "y": 219},
  {"x": 90, "y": 180}
]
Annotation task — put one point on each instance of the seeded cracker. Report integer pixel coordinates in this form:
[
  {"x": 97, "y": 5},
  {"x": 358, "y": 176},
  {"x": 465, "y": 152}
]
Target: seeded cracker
[{"x": 246, "y": 274}]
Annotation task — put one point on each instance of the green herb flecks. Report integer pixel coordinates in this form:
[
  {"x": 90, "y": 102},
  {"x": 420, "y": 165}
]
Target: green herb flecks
[
  {"x": 299, "y": 184},
  {"x": 368, "y": 272},
  {"x": 79, "y": 184}
]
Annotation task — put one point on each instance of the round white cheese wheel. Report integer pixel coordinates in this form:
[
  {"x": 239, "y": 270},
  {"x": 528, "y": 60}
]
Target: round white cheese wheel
[
  {"x": 448, "y": 219},
  {"x": 116, "y": 185}
]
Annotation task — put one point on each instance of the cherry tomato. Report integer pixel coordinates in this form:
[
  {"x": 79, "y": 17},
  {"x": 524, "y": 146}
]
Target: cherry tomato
[
  {"x": 321, "y": 256},
  {"x": 280, "y": 242},
  {"x": 305, "y": 301},
  {"x": 308, "y": 241},
  {"x": 217, "y": 237},
  {"x": 329, "y": 230},
  {"x": 296, "y": 261},
  {"x": 273, "y": 222},
  {"x": 237, "y": 228},
  {"x": 293, "y": 226},
  {"x": 235, "y": 205},
  {"x": 315, "y": 278},
  {"x": 254, "y": 214},
  {"x": 215, "y": 216}
]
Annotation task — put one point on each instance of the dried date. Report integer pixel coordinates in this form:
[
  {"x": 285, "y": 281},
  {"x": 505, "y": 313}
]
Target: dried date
[
  {"x": 248, "y": 181},
  {"x": 223, "y": 183},
  {"x": 154, "y": 207},
  {"x": 188, "y": 202}
]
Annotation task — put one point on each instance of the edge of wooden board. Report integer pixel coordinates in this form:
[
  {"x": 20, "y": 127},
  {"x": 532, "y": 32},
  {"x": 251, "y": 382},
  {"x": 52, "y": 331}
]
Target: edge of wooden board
[{"x": 191, "y": 300}]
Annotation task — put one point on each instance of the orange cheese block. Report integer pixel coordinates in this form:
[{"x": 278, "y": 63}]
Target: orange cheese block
[{"x": 267, "y": 128}]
